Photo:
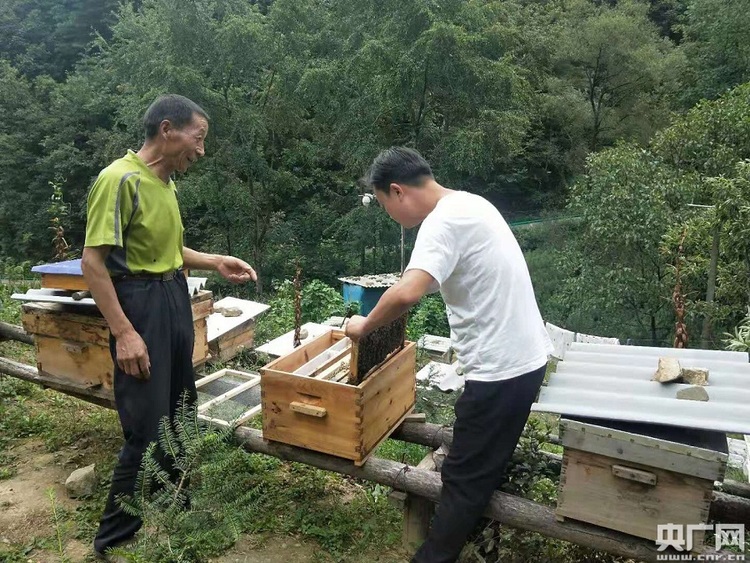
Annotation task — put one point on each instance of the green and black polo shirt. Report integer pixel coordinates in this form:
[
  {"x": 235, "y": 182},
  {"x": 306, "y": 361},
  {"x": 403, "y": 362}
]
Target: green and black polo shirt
[{"x": 131, "y": 209}]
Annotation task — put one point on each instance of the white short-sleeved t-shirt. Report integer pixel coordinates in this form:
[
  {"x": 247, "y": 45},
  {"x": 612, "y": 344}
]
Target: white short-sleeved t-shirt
[{"x": 496, "y": 328}]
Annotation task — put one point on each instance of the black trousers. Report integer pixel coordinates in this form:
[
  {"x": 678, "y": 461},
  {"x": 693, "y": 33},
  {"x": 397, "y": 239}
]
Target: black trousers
[
  {"x": 160, "y": 312},
  {"x": 490, "y": 417}
]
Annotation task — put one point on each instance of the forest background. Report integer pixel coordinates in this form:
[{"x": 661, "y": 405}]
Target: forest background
[{"x": 607, "y": 132}]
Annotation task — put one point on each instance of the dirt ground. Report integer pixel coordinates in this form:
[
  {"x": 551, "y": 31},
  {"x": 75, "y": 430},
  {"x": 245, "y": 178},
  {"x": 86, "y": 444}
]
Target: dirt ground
[{"x": 25, "y": 504}]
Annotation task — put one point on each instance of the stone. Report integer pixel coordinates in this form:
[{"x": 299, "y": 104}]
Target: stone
[
  {"x": 695, "y": 393},
  {"x": 231, "y": 311},
  {"x": 695, "y": 376},
  {"x": 668, "y": 371},
  {"x": 82, "y": 482}
]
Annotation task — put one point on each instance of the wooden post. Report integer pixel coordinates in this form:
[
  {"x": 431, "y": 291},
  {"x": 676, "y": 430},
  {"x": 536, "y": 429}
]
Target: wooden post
[{"x": 418, "y": 512}]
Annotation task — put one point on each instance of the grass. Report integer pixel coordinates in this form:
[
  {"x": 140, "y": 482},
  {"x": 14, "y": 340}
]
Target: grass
[{"x": 735, "y": 474}]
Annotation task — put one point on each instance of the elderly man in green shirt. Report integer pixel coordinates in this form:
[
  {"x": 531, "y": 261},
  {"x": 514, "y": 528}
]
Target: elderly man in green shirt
[{"x": 132, "y": 262}]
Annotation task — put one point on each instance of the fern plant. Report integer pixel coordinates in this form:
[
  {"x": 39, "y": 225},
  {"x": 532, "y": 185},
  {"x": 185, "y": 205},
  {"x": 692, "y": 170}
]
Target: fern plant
[{"x": 740, "y": 340}]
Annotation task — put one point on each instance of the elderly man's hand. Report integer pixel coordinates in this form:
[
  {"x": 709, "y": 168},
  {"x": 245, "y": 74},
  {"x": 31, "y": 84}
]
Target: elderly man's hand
[
  {"x": 356, "y": 327},
  {"x": 236, "y": 270},
  {"x": 132, "y": 354}
]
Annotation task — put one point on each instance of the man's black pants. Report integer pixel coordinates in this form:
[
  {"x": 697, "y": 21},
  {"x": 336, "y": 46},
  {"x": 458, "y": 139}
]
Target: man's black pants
[
  {"x": 490, "y": 417},
  {"x": 160, "y": 312}
]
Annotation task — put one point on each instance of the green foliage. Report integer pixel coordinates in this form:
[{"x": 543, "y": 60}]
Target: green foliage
[
  {"x": 48, "y": 37},
  {"x": 403, "y": 452},
  {"x": 617, "y": 66},
  {"x": 529, "y": 473},
  {"x": 318, "y": 302},
  {"x": 437, "y": 405},
  {"x": 717, "y": 47},
  {"x": 59, "y": 524},
  {"x": 180, "y": 525},
  {"x": 634, "y": 206},
  {"x": 302, "y": 95},
  {"x": 17, "y": 554},
  {"x": 626, "y": 203},
  {"x": 428, "y": 317},
  {"x": 739, "y": 340}
]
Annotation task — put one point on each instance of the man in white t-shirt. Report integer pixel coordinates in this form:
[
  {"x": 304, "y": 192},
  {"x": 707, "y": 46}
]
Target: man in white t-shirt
[{"x": 466, "y": 250}]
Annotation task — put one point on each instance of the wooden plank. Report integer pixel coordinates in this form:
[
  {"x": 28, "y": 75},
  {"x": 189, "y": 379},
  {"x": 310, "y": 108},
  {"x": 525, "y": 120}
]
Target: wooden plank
[
  {"x": 83, "y": 363},
  {"x": 223, "y": 372},
  {"x": 632, "y": 474},
  {"x": 200, "y": 347},
  {"x": 305, "y": 353},
  {"x": 322, "y": 362},
  {"x": 590, "y": 492},
  {"x": 310, "y": 410},
  {"x": 202, "y": 295},
  {"x": 202, "y": 308},
  {"x": 64, "y": 281},
  {"x": 233, "y": 351},
  {"x": 67, "y": 327},
  {"x": 387, "y": 396},
  {"x": 340, "y": 368},
  {"x": 652, "y": 452},
  {"x": 241, "y": 388},
  {"x": 223, "y": 349},
  {"x": 416, "y": 417},
  {"x": 242, "y": 329},
  {"x": 240, "y": 339},
  {"x": 418, "y": 511},
  {"x": 324, "y": 358},
  {"x": 248, "y": 414},
  {"x": 367, "y": 453}
]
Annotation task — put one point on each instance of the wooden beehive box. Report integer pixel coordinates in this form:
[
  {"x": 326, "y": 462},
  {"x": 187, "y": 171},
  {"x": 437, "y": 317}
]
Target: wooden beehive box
[
  {"x": 632, "y": 482},
  {"x": 72, "y": 342},
  {"x": 334, "y": 417},
  {"x": 228, "y": 336}
]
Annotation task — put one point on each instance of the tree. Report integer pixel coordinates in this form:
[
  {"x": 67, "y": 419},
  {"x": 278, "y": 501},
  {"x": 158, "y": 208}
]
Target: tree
[
  {"x": 717, "y": 47},
  {"x": 619, "y": 67},
  {"x": 633, "y": 208},
  {"x": 618, "y": 276},
  {"x": 49, "y": 36}
]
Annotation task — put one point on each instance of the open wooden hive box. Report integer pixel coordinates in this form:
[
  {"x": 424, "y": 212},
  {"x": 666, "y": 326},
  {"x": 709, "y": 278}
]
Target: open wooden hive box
[
  {"x": 307, "y": 401},
  {"x": 72, "y": 344}
]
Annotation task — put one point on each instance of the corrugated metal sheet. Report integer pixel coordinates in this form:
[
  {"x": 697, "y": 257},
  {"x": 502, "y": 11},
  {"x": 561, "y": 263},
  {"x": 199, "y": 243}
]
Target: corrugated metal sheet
[
  {"x": 52, "y": 296},
  {"x": 614, "y": 383},
  {"x": 48, "y": 295},
  {"x": 373, "y": 280}
]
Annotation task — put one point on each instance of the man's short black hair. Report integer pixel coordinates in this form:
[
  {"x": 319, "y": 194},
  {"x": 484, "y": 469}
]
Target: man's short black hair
[
  {"x": 398, "y": 165},
  {"x": 177, "y": 109}
]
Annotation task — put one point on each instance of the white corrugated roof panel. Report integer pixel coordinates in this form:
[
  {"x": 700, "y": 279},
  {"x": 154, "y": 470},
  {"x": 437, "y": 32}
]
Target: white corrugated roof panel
[{"x": 614, "y": 383}]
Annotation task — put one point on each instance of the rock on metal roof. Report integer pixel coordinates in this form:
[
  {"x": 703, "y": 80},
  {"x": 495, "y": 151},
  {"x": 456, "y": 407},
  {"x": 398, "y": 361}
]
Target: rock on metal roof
[{"x": 614, "y": 383}]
